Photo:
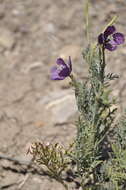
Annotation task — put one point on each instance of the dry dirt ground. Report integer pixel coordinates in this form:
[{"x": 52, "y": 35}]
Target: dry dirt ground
[{"x": 33, "y": 33}]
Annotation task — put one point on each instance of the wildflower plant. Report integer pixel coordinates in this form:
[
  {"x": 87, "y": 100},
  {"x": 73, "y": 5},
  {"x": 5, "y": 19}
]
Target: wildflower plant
[
  {"x": 62, "y": 70},
  {"x": 97, "y": 158},
  {"x": 110, "y": 39}
]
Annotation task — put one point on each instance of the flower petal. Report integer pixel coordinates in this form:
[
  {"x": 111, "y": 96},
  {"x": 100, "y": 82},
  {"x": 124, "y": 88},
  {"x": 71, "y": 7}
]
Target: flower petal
[
  {"x": 101, "y": 39},
  {"x": 70, "y": 64},
  {"x": 118, "y": 38},
  {"x": 60, "y": 61},
  {"x": 55, "y": 74},
  {"x": 111, "y": 46},
  {"x": 53, "y": 69},
  {"x": 62, "y": 71},
  {"x": 65, "y": 72},
  {"x": 109, "y": 30}
]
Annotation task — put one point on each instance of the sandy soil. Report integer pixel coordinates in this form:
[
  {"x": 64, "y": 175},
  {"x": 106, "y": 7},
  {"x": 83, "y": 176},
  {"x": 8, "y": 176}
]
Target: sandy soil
[{"x": 33, "y": 33}]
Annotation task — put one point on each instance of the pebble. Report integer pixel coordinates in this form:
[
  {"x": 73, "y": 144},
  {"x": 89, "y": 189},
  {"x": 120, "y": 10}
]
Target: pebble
[
  {"x": 62, "y": 107},
  {"x": 6, "y": 39}
]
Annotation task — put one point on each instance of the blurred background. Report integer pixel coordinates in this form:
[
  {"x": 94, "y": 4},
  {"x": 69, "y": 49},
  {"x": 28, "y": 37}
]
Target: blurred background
[{"x": 33, "y": 34}]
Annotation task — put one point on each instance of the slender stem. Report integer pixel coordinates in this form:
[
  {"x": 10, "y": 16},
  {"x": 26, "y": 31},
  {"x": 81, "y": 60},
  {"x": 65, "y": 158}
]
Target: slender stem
[
  {"x": 74, "y": 84},
  {"x": 103, "y": 64},
  {"x": 87, "y": 20},
  {"x": 73, "y": 80}
]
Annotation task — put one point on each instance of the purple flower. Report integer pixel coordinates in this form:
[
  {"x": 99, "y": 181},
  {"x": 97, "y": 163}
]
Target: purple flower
[
  {"x": 110, "y": 39},
  {"x": 62, "y": 70}
]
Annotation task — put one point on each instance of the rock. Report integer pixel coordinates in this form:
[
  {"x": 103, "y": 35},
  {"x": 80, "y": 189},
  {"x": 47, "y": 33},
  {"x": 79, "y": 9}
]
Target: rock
[
  {"x": 9, "y": 130},
  {"x": 9, "y": 179},
  {"x": 6, "y": 39},
  {"x": 49, "y": 28},
  {"x": 62, "y": 106}
]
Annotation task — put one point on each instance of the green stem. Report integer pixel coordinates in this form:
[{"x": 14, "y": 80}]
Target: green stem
[
  {"x": 103, "y": 64},
  {"x": 73, "y": 80}
]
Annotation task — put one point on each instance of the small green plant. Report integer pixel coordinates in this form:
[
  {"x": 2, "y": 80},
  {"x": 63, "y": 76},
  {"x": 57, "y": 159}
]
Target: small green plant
[
  {"x": 53, "y": 156},
  {"x": 97, "y": 158}
]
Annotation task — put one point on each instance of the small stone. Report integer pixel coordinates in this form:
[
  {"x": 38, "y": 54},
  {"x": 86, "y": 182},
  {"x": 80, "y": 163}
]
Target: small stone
[
  {"x": 6, "y": 39},
  {"x": 10, "y": 179},
  {"x": 5, "y": 163},
  {"x": 9, "y": 130},
  {"x": 63, "y": 107},
  {"x": 50, "y": 28}
]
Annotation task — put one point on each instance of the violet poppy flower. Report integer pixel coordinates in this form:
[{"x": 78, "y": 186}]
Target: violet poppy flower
[
  {"x": 110, "y": 38},
  {"x": 62, "y": 70}
]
